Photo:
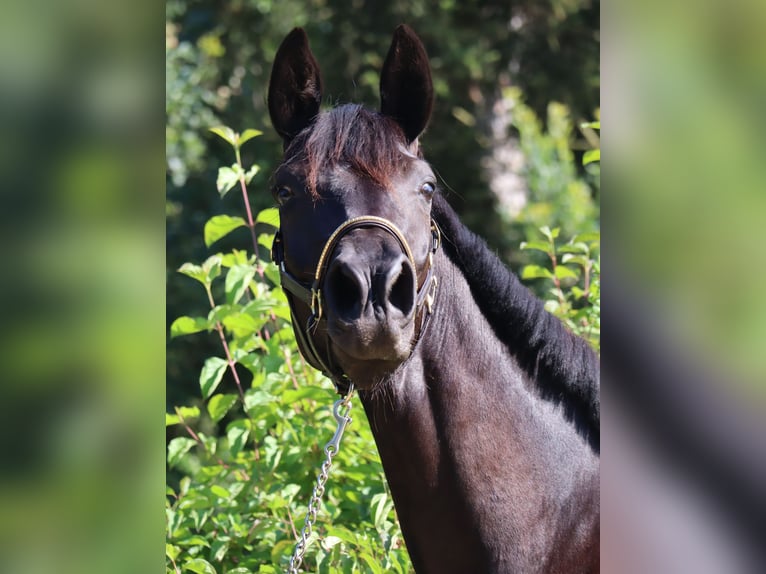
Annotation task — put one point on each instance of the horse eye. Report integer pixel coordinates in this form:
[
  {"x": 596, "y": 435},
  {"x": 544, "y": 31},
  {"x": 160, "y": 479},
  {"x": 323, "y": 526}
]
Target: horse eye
[
  {"x": 428, "y": 189},
  {"x": 282, "y": 194}
]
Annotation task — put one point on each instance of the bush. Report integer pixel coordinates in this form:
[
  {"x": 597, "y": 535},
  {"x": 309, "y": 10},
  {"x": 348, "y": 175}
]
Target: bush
[
  {"x": 243, "y": 461},
  {"x": 242, "y": 464}
]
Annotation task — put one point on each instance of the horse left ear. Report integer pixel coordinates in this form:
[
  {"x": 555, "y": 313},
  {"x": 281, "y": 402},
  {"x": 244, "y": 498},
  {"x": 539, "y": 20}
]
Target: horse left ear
[
  {"x": 295, "y": 88},
  {"x": 406, "y": 90}
]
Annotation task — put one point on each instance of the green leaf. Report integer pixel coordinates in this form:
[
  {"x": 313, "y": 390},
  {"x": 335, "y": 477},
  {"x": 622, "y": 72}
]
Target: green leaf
[
  {"x": 266, "y": 240},
  {"x": 212, "y": 267},
  {"x": 280, "y": 549},
  {"x": 226, "y": 133},
  {"x": 187, "y": 413},
  {"x": 172, "y": 551},
  {"x": 228, "y": 177},
  {"x": 218, "y": 549},
  {"x": 372, "y": 563},
  {"x": 171, "y": 420},
  {"x": 328, "y": 542},
  {"x": 237, "y": 433},
  {"x": 269, "y": 216},
  {"x": 563, "y": 272},
  {"x": 193, "y": 271},
  {"x": 219, "y": 226},
  {"x": 200, "y": 566},
  {"x": 590, "y": 156},
  {"x": 591, "y": 237},
  {"x": 188, "y": 325},
  {"x": 219, "y": 405},
  {"x": 177, "y": 448},
  {"x": 251, "y": 173},
  {"x": 551, "y": 234},
  {"x": 237, "y": 280},
  {"x": 219, "y": 491},
  {"x": 380, "y": 503},
  {"x": 242, "y": 324},
  {"x": 592, "y": 125},
  {"x": 574, "y": 247},
  {"x": 535, "y": 272},
  {"x": 538, "y": 245},
  {"x": 239, "y": 571},
  {"x": 211, "y": 374},
  {"x": 247, "y": 135},
  {"x": 576, "y": 259}
]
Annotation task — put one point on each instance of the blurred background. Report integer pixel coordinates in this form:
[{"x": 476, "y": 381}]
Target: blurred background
[{"x": 85, "y": 274}]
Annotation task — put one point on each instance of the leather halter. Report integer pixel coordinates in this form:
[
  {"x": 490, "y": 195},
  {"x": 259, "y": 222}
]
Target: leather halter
[{"x": 311, "y": 295}]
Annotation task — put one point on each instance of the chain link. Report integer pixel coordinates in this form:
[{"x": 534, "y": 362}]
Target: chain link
[{"x": 341, "y": 410}]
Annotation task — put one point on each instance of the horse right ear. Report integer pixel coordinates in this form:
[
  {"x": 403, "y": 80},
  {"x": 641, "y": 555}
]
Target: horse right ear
[
  {"x": 406, "y": 89},
  {"x": 295, "y": 88}
]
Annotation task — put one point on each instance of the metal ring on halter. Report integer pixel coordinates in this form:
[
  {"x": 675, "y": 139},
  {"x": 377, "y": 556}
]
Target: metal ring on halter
[{"x": 329, "y": 246}]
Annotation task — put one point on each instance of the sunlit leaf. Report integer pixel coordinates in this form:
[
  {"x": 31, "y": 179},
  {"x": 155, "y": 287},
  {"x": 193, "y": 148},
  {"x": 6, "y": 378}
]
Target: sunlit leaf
[
  {"x": 212, "y": 267},
  {"x": 251, "y": 173},
  {"x": 268, "y": 216},
  {"x": 538, "y": 245},
  {"x": 563, "y": 272},
  {"x": 247, "y": 135},
  {"x": 590, "y": 156},
  {"x": 199, "y": 566},
  {"x": 211, "y": 375},
  {"x": 177, "y": 448},
  {"x": 237, "y": 433},
  {"x": 193, "y": 271},
  {"x": 219, "y": 226},
  {"x": 228, "y": 177},
  {"x": 535, "y": 272},
  {"x": 226, "y": 133},
  {"x": 237, "y": 280},
  {"x": 219, "y": 405},
  {"x": 187, "y": 413},
  {"x": 188, "y": 325}
]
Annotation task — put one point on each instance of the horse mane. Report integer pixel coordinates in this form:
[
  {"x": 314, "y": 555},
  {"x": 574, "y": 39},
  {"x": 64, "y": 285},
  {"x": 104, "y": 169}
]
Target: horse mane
[
  {"x": 564, "y": 366},
  {"x": 366, "y": 142}
]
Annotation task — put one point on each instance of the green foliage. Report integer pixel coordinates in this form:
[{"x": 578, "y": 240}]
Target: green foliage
[
  {"x": 243, "y": 462},
  {"x": 573, "y": 280},
  {"x": 558, "y": 195}
]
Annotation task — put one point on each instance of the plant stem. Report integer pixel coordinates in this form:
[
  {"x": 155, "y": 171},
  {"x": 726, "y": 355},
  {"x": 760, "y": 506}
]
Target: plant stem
[
  {"x": 229, "y": 360},
  {"x": 246, "y": 199},
  {"x": 556, "y": 280}
]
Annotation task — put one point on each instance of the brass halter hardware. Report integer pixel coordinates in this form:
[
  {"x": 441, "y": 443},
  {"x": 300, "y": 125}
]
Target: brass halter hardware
[
  {"x": 329, "y": 246},
  {"x": 312, "y": 295}
]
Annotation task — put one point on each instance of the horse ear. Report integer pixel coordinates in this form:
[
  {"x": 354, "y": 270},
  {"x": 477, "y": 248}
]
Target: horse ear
[
  {"x": 406, "y": 90},
  {"x": 295, "y": 88}
]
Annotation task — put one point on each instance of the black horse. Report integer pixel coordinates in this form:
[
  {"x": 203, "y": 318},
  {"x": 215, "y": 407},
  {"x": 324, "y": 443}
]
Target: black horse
[{"x": 485, "y": 409}]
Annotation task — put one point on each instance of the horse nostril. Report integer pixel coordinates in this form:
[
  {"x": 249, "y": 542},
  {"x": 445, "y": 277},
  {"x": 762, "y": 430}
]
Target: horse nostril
[
  {"x": 344, "y": 291},
  {"x": 400, "y": 287}
]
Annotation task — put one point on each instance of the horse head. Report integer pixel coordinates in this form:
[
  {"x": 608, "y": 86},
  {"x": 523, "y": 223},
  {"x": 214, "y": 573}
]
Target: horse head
[{"x": 356, "y": 238}]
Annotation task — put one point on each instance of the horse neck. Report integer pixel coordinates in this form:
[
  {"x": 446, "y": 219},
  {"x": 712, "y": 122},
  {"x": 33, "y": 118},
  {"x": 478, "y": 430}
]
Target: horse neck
[{"x": 461, "y": 420}]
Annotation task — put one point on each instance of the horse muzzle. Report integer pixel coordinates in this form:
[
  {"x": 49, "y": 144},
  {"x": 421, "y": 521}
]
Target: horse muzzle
[
  {"x": 367, "y": 295},
  {"x": 370, "y": 298}
]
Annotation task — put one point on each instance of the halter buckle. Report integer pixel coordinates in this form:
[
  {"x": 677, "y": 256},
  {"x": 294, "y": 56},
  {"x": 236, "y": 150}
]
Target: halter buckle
[
  {"x": 432, "y": 295},
  {"x": 316, "y": 304}
]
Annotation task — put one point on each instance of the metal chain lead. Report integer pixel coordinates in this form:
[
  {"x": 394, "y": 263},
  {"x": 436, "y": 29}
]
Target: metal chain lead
[{"x": 341, "y": 410}]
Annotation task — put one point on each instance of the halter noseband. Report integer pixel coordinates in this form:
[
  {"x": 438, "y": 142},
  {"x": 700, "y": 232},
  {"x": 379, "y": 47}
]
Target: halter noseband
[{"x": 312, "y": 295}]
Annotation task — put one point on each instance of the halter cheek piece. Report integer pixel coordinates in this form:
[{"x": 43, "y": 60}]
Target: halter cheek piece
[{"x": 311, "y": 295}]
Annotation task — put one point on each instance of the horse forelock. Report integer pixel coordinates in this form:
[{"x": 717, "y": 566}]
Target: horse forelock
[{"x": 365, "y": 142}]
